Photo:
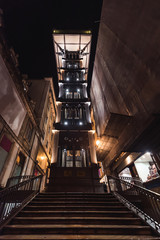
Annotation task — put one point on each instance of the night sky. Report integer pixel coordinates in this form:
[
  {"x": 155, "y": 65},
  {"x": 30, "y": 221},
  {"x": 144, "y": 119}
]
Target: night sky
[{"x": 29, "y": 25}]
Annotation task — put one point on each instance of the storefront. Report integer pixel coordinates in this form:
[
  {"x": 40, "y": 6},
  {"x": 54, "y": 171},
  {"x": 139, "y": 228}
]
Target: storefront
[{"x": 146, "y": 168}]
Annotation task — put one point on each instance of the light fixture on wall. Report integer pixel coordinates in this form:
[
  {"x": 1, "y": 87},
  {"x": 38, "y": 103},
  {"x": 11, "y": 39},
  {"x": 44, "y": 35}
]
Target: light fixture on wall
[
  {"x": 81, "y": 123},
  {"x": 97, "y": 142},
  {"x": 65, "y": 123}
]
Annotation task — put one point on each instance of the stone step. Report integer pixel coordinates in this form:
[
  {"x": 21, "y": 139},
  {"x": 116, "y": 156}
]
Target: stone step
[
  {"x": 51, "y": 203},
  {"x": 77, "y": 220},
  {"x": 76, "y": 196},
  {"x": 77, "y": 229},
  {"x": 76, "y": 237},
  {"x": 76, "y": 213},
  {"x": 75, "y": 193},
  {"x": 70, "y": 208},
  {"x": 39, "y": 198}
]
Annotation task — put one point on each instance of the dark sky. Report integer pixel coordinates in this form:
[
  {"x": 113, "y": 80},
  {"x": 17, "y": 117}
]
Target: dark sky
[{"x": 29, "y": 25}]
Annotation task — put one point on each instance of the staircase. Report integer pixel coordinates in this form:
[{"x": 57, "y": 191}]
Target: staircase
[{"x": 76, "y": 216}]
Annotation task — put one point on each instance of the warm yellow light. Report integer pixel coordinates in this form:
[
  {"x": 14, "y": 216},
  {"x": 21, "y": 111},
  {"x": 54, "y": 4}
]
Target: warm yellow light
[
  {"x": 54, "y": 130},
  {"x": 42, "y": 157},
  {"x": 58, "y": 103},
  {"x": 97, "y": 142}
]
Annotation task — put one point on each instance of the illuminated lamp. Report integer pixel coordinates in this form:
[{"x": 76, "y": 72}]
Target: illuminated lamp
[{"x": 97, "y": 142}]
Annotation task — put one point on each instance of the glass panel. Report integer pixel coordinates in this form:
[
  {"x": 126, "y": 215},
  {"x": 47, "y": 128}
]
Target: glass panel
[
  {"x": 59, "y": 38},
  {"x": 85, "y": 39},
  {"x": 72, "y": 38},
  {"x": 146, "y": 168},
  {"x": 78, "y": 163},
  {"x": 78, "y": 158},
  {"x": 69, "y": 158},
  {"x": 77, "y": 95},
  {"x": 125, "y": 173},
  {"x": 69, "y": 95}
]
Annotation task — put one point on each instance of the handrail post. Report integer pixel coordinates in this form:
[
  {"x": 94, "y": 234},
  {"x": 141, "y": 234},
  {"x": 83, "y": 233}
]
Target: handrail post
[
  {"x": 39, "y": 188},
  {"x": 109, "y": 186}
]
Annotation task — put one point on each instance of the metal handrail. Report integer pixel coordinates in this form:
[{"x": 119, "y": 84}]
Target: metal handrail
[
  {"x": 14, "y": 198},
  {"x": 149, "y": 210},
  {"x": 136, "y": 180},
  {"x": 15, "y": 180}
]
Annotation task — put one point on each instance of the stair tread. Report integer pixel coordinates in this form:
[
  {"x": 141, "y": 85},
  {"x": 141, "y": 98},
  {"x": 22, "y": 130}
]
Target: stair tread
[
  {"x": 71, "y": 202},
  {"x": 42, "y": 206},
  {"x": 77, "y": 199},
  {"x": 75, "y": 226},
  {"x": 64, "y": 237},
  {"x": 103, "y": 218},
  {"x": 51, "y": 211},
  {"x": 75, "y": 193}
]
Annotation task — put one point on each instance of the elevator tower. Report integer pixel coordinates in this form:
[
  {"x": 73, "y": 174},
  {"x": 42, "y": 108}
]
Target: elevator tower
[{"x": 74, "y": 164}]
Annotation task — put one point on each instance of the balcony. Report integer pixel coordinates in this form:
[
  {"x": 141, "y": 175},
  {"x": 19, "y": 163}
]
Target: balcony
[
  {"x": 73, "y": 124},
  {"x": 74, "y": 100}
]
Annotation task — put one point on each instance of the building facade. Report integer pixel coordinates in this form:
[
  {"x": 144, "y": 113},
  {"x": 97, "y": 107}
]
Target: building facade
[
  {"x": 125, "y": 89},
  {"x": 27, "y": 114}
]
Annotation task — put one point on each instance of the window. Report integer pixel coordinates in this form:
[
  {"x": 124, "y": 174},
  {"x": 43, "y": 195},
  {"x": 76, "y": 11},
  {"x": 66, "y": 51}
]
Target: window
[
  {"x": 68, "y": 95},
  {"x": 5, "y": 146},
  {"x": 29, "y": 131},
  {"x": 77, "y": 95},
  {"x": 46, "y": 120},
  {"x": 146, "y": 168},
  {"x": 19, "y": 164},
  {"x": 50, "y": 151},
  {"x": 73, "y": 112}
]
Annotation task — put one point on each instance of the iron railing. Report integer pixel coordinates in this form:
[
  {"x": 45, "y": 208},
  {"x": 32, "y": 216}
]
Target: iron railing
[
  {"x": 14, "y": 198},
  {"x": 134, "y": 180},
  {"x": 148, "y": 207},
  {"x": 15, "y": 180}
]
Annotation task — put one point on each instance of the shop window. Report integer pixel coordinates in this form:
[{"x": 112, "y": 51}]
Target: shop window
[
  {"x": 20, "y": 160},
  {"x": 5, "y": 146},
  {"x": 146, "y": 168}
]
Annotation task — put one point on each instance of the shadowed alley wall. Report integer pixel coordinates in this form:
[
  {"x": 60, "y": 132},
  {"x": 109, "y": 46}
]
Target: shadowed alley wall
[{"x": 125, "y": 88}]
